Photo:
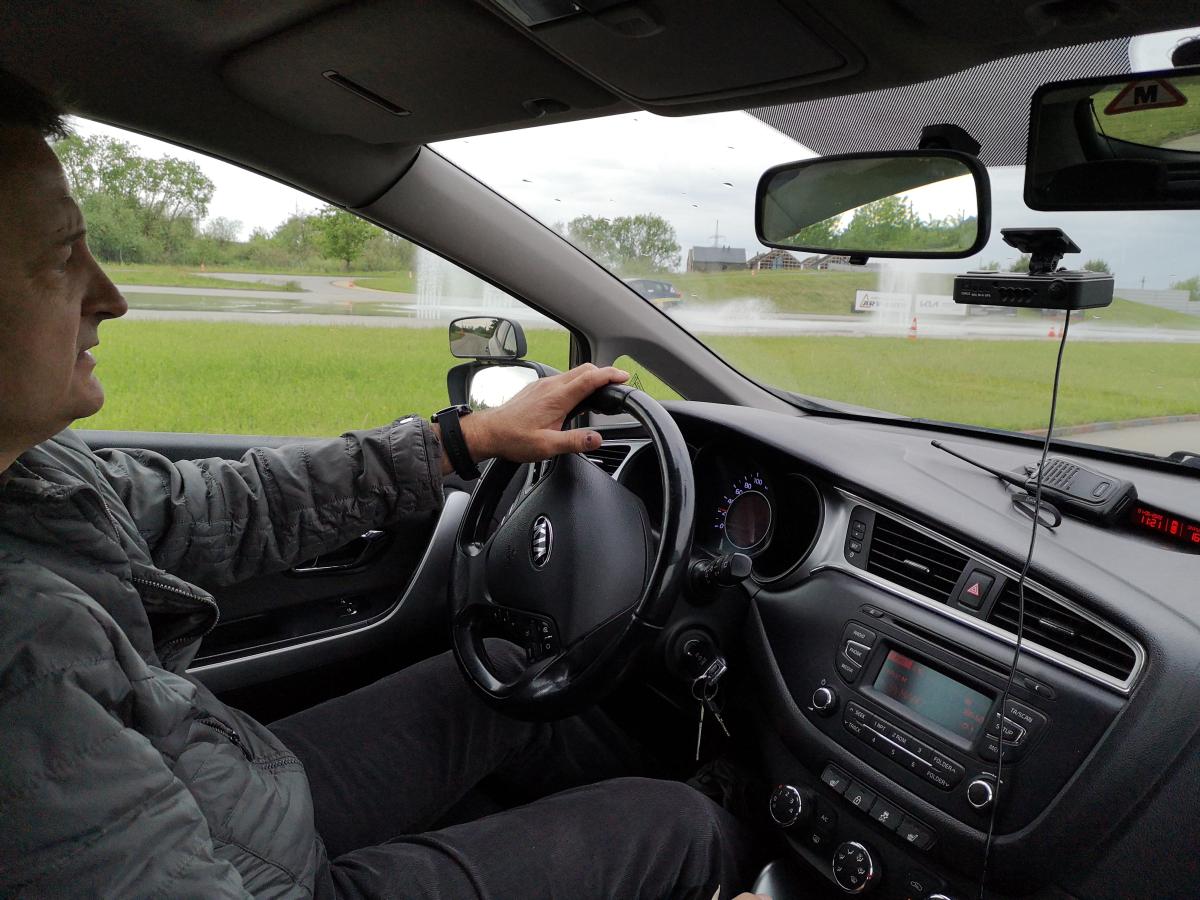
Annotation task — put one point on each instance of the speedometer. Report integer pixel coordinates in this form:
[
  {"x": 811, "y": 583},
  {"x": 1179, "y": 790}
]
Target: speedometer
[{"x": 744, "y": 512}]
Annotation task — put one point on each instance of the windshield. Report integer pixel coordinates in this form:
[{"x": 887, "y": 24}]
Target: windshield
[{"x": 667, "y": 205}]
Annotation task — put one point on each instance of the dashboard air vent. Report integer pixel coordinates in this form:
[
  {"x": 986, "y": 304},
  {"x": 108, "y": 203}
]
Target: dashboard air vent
[
  {"x": 914, "y": 560},
  {"x": 1063, "y": 630},
  {"x": 609, "y": 456}
]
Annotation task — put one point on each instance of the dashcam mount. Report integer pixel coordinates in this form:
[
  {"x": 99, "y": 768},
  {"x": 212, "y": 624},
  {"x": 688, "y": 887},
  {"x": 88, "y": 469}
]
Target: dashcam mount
[
  {"x": 1045, "y": 286},
  {"x": 1045, "y": 246}
]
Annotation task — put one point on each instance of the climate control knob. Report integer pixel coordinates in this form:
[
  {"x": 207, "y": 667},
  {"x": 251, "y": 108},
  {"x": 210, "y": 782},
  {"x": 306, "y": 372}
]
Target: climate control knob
[
  {"x": 981, "y": 793},
  {"x": 854, "y": 869},
  {"x": 824, "y": 700},
  {"x": 790, "y": 806}
]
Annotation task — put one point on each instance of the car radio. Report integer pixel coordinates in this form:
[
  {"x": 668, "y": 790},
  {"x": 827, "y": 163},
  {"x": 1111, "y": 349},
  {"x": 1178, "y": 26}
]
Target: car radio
[{"x": 922, "y": 693}]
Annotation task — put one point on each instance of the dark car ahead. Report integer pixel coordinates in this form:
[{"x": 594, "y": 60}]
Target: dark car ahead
[{"x": 662, "y": 294}]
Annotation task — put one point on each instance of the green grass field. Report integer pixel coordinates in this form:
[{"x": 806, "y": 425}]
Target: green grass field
[
  {"x": 182, "y": 276},
  {"x": 400, "y": 281},
  {"x": 315, "y": 380}
]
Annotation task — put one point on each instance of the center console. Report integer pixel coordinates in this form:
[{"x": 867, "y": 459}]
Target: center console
[{"x": 888, "y": 781}]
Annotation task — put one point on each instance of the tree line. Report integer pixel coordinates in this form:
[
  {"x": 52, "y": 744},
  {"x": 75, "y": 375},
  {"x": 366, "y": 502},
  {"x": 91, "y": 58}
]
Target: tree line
[{"x": 146, "y": 210}]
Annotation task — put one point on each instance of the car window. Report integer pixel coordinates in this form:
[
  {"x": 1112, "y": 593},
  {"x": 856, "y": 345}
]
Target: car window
[
  {"x": 885, "y": 336},
  {"x": 256, "y": 309}
]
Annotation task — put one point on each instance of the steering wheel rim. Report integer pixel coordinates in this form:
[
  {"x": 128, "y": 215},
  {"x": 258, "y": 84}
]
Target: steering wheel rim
[{"x": 583, "y": 644}]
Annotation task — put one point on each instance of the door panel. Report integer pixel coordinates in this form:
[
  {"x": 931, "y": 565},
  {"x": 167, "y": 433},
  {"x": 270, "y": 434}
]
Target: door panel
[{"x": 387, "y": 589}]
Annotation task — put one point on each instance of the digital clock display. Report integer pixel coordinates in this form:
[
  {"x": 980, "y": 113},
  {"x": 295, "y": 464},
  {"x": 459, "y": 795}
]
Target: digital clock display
[{"x": 1167, "y": 526}]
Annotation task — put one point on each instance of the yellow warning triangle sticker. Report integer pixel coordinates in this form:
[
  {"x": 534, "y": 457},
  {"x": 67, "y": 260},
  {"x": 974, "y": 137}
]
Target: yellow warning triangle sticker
[{"x": 1153, "y": 93}]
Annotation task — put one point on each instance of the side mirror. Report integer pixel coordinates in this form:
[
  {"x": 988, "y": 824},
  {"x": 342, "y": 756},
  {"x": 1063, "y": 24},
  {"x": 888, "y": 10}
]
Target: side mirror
[
  {"x": 498, "y": 373},
  {"x": 480, "y": 337},
  {"x": 1116, "y": 142},
  {"x": 920, "y": 204}
]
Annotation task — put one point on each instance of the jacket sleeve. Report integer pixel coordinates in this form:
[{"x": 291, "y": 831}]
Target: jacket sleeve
[
  {"x": 88, "y": 806},
  {"x": 216, "y": 521}
]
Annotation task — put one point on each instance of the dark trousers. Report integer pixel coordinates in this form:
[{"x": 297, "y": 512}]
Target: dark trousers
[{"x": 393, "y": 760}]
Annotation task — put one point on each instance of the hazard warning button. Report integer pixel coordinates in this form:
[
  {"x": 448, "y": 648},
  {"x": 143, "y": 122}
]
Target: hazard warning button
[{"x": 975, "y": 589}]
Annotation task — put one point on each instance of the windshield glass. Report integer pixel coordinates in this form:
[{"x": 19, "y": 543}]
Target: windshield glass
[{"x": 667, "y": 204}]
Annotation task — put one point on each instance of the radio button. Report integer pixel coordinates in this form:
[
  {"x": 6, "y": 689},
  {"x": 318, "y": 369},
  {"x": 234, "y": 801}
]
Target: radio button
[
  {"x": 937, "y": 779},
  {"x": 1014, "y": 734},
  {"x": 952, "y": 771},
  {"x": 856, "y": 728},
  {"x": 989, "y": 749},
  {"x": 1025, "y": 716},
  {"x": 859, "y": 797},
  {"x": 860, "y": 633},
  {"x": 855, "y": 652},
  {"x": 854, "y": 711},
  {"x": 848, "y": 670}
]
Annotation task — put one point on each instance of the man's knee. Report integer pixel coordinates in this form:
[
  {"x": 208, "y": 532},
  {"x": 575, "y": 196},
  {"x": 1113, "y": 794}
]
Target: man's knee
[{"x": 667, "y": 805}]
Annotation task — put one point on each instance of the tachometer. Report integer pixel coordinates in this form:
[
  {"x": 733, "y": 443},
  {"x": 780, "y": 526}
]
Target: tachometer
[{"x": 744, "y": 512}]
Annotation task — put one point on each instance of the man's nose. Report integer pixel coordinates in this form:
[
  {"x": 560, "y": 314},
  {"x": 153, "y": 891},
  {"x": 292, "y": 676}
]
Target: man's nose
[{"x": 103, "y": 299}]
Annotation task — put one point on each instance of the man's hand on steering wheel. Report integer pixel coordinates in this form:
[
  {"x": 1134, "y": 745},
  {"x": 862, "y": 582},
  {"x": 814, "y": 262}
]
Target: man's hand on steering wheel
[{"x": 528, "y": 427}]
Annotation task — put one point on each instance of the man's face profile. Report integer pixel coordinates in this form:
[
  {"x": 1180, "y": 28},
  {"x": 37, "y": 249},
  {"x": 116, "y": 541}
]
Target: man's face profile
[{"x": 53, "y": 296}]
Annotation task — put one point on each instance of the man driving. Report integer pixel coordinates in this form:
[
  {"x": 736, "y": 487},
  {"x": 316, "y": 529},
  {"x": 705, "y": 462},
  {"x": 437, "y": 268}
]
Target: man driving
[{"x": 121, "y": 775}]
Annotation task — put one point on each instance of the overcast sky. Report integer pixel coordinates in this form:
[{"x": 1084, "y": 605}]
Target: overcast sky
[{"x": 699, "y": 173}]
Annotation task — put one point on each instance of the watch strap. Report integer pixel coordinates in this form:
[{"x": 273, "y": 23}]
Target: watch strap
[{"x": 454, "y": 444}]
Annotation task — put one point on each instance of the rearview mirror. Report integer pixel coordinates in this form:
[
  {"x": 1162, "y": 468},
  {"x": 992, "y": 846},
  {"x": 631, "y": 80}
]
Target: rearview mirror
[
  {"x": 908, "y": 203},
  {"x": 485, "y": 337},
  {"x": 1116, "y": 142}
]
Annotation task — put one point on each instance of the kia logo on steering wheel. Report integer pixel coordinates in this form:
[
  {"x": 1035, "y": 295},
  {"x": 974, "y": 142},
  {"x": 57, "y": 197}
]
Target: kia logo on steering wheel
[{"x": 542, "y": 542}]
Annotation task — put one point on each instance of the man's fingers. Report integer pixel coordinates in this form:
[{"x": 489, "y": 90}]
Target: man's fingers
[
  {"x": 588, "y": 380},
  {"x": 577, "y": 440}
]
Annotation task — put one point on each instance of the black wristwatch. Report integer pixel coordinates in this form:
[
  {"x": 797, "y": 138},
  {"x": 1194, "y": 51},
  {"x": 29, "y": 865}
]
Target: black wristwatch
[{"x": 454, "y": 445}]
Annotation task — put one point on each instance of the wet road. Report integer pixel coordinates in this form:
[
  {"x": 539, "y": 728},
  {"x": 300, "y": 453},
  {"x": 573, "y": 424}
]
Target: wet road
[{"x": 329, "y": 300}]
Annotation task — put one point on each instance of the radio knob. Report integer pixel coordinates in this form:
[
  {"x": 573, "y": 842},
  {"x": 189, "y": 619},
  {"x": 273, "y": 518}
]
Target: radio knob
[
  {"x": 789, "y": 806},
  {"x": 981, "y": 793},
  {"x": 824, "y": 700},
  {"x": 854, "y": 870}
]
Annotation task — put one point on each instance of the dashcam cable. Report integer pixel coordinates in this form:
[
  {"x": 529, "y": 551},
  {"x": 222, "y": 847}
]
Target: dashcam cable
[{"x": 1012, "y": 671}]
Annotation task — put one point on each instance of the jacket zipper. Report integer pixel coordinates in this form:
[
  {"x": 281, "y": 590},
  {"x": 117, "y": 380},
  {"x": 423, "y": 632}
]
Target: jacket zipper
[
  {"x": 207, "y": 601},
  {"x": 234, "y": 738},
  {"x": 281, "y": 762}
]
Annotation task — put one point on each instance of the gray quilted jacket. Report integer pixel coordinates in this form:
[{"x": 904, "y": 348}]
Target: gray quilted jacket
[{"x": 120, "y": 776}]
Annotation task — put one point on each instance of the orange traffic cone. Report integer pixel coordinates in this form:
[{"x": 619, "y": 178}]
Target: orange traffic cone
[
  {"x": 1053, "y": 333},
  {"x": 912, "y": 330}
]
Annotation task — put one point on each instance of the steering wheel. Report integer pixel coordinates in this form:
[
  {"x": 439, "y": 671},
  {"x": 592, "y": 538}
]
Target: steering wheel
[{"x": 577, "y": 574}]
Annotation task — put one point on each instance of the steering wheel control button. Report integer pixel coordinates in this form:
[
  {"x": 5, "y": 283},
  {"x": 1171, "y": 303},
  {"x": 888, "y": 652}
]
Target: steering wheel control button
[
  {"x": 916, "y": 833},
  {"x": 859, "y": 797},
  {"x": 535, "y": 634},
  {"x": 854, "y": 870},
  {"x": 886, "y": 814},
  {"x": 859, "y": 633},
  {"x": 975, "y": 589},
  {"x": 824, "y": 700},
  {"x": 981, "y": 793},
  {"x": 835, "y": 779},
  {"x": 788, "y": 806},
  {"x": 847, "y": 669}
]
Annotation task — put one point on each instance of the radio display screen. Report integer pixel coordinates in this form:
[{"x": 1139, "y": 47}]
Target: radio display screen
[{"x": 933, "y": 696}]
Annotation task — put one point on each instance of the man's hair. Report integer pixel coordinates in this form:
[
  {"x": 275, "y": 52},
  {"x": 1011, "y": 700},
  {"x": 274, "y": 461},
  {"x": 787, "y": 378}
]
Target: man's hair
[{"x": 24, "y": 106}]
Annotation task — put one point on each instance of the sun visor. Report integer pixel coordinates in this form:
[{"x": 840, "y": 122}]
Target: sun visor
[
  {"x": 667, "y": 53},
  {"x": 388, "y": 72},
  {"x": 990, "y": 102}
]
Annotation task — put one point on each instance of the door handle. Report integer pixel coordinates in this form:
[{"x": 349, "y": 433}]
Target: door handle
[{"x": 355, "y": 554}]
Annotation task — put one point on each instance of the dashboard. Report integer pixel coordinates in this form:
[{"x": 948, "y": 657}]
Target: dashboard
[{"x": 878, "y": 628}]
